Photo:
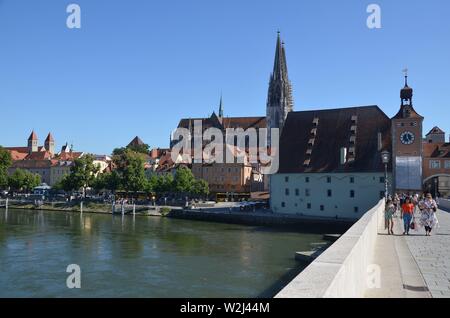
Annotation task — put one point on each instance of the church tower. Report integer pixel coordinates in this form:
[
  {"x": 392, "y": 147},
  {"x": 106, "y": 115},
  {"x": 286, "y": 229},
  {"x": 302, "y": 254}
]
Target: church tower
[
  {"x": 279, "y": 99},
  {"x": 33, "y": 143},
  {"x": 407, "y": 143},
  {"x": 50, "y": 144}
]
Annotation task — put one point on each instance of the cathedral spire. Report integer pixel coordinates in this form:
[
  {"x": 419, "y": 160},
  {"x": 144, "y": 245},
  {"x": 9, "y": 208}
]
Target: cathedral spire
[
  {"x": 279, "y": 99},
  {"x": 221, "y": 107},
  {"x": 278, "y": 63}
]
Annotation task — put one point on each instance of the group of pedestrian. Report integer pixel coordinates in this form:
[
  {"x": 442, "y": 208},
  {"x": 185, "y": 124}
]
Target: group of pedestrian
[{"x": 410, "y": 208}]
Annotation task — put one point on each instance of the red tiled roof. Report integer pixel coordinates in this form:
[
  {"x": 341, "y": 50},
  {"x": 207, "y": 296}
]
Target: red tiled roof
[
  {"x": 18, "y": 149},
  {"x": 68, "y": 156},
  {"x": 16, "y": 155},
  {"x": 440, "y": 150},
  {"x": 156, "y": 153},
  {"x": 40, "y": 155}
]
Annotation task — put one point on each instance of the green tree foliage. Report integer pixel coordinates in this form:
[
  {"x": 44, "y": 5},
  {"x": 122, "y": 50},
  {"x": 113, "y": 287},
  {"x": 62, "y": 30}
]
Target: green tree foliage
[
  {"x": 99, "y": 183},
  {"x": 5, "y": 163},
  {"x": 82, "y": 174},
  {"x": 164, "y": 184},
  {"x": 112, "y": 181},
  {"x": 143, "y": 149},
  {"x": 151, "y": 185},
  {"x": 200, "y": 188},
  {"x": 184, "y": 180},
  {"x": 23, "y": 180},
  {"x": 140, "y": 149},
  {"x": 65, "y": 184},
  {"x": 130, "y": 169}
]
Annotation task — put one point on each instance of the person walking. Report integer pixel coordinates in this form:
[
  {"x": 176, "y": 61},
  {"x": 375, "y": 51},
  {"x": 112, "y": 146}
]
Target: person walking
[
  {"x": 428, "y": 218},
  {"x": 396, "y": 202},
  {"x": 407, "y": 214},
  {"x": 389, "y": 216}
]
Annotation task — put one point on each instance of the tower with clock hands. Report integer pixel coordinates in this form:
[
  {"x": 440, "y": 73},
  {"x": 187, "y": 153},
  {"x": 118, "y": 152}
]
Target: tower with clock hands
[{"x": 407, "y": 144}]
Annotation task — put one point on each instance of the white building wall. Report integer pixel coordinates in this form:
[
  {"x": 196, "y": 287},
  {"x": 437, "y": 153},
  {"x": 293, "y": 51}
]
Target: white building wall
[{"x": 293, "y": 194}]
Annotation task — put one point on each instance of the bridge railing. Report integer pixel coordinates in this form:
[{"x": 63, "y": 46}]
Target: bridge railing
[
  {"x": 342, "y": 270},
  {"x": 444, "y": 204}
]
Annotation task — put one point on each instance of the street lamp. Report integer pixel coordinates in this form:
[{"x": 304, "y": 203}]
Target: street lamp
[{"x": 385, "y": 158}]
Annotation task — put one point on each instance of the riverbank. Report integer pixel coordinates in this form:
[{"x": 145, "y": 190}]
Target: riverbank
[
  {"x": 89, "y": 207},
  {"x": 266, "y": 218}
]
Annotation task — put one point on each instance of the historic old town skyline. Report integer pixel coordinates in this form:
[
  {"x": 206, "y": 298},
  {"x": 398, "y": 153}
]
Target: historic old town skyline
[{"x": 70, "y": 73}]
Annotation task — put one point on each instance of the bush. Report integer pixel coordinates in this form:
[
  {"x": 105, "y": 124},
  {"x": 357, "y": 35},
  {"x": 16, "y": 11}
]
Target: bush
[{"x": 165, "y": 211}]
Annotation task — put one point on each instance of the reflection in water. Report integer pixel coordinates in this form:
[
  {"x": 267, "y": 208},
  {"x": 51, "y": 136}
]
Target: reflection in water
[{"x": 135, "y": 256}]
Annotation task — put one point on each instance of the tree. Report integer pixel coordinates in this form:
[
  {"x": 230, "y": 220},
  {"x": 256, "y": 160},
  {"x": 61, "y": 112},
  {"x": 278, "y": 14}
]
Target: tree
[
  {"x": 23, "y": 180},
  {"x": 112, "y": 181},
  {"x": 151, "y": 185},
  {"x": 82, "y": 174},
  {"x": 118, "y": 152},
  {"x": 164, "y": 184},
  {"x": 64, "y": 184},
  {"x": 5, "y": 163},
  {"x": 201, "y": 188},
  {"x": 140, "y": 149},
  {"x": 143, "y": 149},
  {"x": 99, "y": 182},
  {"x": 184, "y": 180},
  {"x": 130, "y": 170}
]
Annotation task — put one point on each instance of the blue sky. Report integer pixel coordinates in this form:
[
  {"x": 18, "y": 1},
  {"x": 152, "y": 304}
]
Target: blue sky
[{"x": 136, "y": 67}]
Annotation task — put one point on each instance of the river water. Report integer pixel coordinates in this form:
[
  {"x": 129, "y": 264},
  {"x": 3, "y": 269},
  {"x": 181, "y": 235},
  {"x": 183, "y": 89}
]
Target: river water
[{"x": 142, "y": 256}]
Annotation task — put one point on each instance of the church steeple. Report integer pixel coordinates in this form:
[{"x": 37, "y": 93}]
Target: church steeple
[
  {"x": 279, "y": 99},
  {"x": 221, "y": 107},
  {"x": 33, "y": 143},
  {"x": 406, "y": 96},
  {"x": 49, "y": 144}
]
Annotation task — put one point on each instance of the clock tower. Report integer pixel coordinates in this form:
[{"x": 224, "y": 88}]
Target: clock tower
[{"x": 407, "y": 144}]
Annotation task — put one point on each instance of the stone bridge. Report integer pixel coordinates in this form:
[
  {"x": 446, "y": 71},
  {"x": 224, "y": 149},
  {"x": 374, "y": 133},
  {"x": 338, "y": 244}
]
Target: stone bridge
[{"x": 366, "y": 262}]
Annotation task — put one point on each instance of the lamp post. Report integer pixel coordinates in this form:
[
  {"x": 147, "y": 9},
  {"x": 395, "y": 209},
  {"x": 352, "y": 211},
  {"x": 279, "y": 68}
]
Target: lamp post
[{"x": 385, "y": 158}]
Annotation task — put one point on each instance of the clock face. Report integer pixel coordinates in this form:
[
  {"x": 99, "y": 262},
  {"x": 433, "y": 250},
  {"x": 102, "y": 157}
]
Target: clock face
[{"x": 407, "y": 138}]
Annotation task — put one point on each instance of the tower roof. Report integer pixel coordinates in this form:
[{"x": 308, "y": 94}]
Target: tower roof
[
  {"x": 280, "y": 89},
  {"x": 435, "y": 130},
  {"x": 49, "y": 138},
  {"x": 136, "y": 142},
  {"x": 406, "y": 109},
  {"x": 33, "y": 136},
  {"x": 406, "y": 93},
  {"x": 280, "y": 64}
]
